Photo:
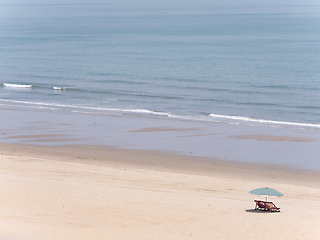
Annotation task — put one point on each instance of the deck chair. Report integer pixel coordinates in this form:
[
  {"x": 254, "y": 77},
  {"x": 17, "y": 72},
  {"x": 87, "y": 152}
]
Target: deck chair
[
  {"x": 260, "y": 205},
  {"x": 271, "y": 207}
]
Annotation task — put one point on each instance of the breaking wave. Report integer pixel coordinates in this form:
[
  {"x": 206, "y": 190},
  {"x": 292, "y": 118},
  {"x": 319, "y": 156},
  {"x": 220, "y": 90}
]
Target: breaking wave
[
  {"x": 243, "y": 120},
  {"x": 11, "y": 85},
  {"x": 217, "y": 118}
]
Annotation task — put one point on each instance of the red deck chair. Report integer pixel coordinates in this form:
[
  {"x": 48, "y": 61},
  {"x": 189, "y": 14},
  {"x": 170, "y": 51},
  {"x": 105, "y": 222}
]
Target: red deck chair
[
  {"x": 260, "y": 205},
  {"x": 271, "y": 207}
]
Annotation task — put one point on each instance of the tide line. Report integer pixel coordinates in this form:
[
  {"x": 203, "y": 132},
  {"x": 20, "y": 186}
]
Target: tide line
[{"x": 248, "y": 119}]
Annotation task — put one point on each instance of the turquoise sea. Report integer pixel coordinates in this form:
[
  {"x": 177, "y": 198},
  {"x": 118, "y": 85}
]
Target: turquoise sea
[{"x": 257, "y": 65}]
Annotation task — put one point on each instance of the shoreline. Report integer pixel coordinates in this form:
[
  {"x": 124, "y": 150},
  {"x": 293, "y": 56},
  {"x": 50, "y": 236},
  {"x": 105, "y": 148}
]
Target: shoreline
[
  {"x": 297, "y": 148},
  {"x": 85, "y": 192},
  {"x": 6, "y": 104}
]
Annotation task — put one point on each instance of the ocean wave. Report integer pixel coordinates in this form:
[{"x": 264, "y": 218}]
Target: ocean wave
[
  {"x": 11, "y": 85},
  {"x": 59, "y": 88},
  {"x": 144, "y": 111},
  {"x": 240, "y": 119},
  {"x": 117, "y": 92},
  {"x": 208, "y": 117},
  {"x": 79, "y": 108}
]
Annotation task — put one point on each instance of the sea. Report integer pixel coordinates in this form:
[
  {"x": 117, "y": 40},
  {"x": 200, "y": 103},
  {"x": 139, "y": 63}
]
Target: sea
[{"x": 256, "y": 65}]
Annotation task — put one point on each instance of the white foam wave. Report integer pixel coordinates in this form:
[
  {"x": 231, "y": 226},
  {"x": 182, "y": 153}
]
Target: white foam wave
[
  {"x": 240, "y": 119},
  {"x": 11, "y": 85},
  {"x": 211, "y": 117},
  {"x": 59, "y": 88},
  {"x": 143, "y": 111},
  {"x": 42, "y": 105}
]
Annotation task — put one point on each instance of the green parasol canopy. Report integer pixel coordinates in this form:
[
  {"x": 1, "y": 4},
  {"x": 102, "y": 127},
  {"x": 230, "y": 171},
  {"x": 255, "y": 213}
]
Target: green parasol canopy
[{"x": 266, "y": 192}]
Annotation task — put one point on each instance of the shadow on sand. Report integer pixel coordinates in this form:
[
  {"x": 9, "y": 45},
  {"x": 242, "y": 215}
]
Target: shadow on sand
[{"x": 257, "y": 211}]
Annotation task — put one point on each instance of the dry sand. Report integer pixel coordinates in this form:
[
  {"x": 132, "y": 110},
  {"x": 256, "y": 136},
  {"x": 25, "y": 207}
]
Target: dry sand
[{"x": 83, "y": 192}]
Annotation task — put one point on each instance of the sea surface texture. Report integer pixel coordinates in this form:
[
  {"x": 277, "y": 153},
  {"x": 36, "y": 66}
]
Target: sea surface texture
[{"x": 243, "y": 65}]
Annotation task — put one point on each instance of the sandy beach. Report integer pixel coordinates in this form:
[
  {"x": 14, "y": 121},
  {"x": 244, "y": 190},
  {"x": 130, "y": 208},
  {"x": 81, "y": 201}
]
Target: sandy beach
[
  {"x": 96, "y": 192},
  {"x": 146, "y": 120}
]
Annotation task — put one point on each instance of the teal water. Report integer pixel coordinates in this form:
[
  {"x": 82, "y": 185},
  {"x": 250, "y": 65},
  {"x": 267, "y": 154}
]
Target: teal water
[{"x": 249, "y": 65}]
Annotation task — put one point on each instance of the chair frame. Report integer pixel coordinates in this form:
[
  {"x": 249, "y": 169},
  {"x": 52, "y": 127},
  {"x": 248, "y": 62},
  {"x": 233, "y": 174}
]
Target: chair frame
[
  {"x": 260, "y": 205},
  {"x": 266, "y": 206},
  {"x": 272, "y": 208}
]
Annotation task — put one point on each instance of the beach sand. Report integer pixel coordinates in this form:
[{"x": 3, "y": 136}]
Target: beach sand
[{"x": 95, "y": 192}]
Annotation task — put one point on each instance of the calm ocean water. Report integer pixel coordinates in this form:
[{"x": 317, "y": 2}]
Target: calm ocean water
[{"x": 248, "y": 65}]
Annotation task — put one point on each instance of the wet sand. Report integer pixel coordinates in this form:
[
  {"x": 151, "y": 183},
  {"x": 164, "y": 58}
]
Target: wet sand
[{"x": 298, "y": 148}]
